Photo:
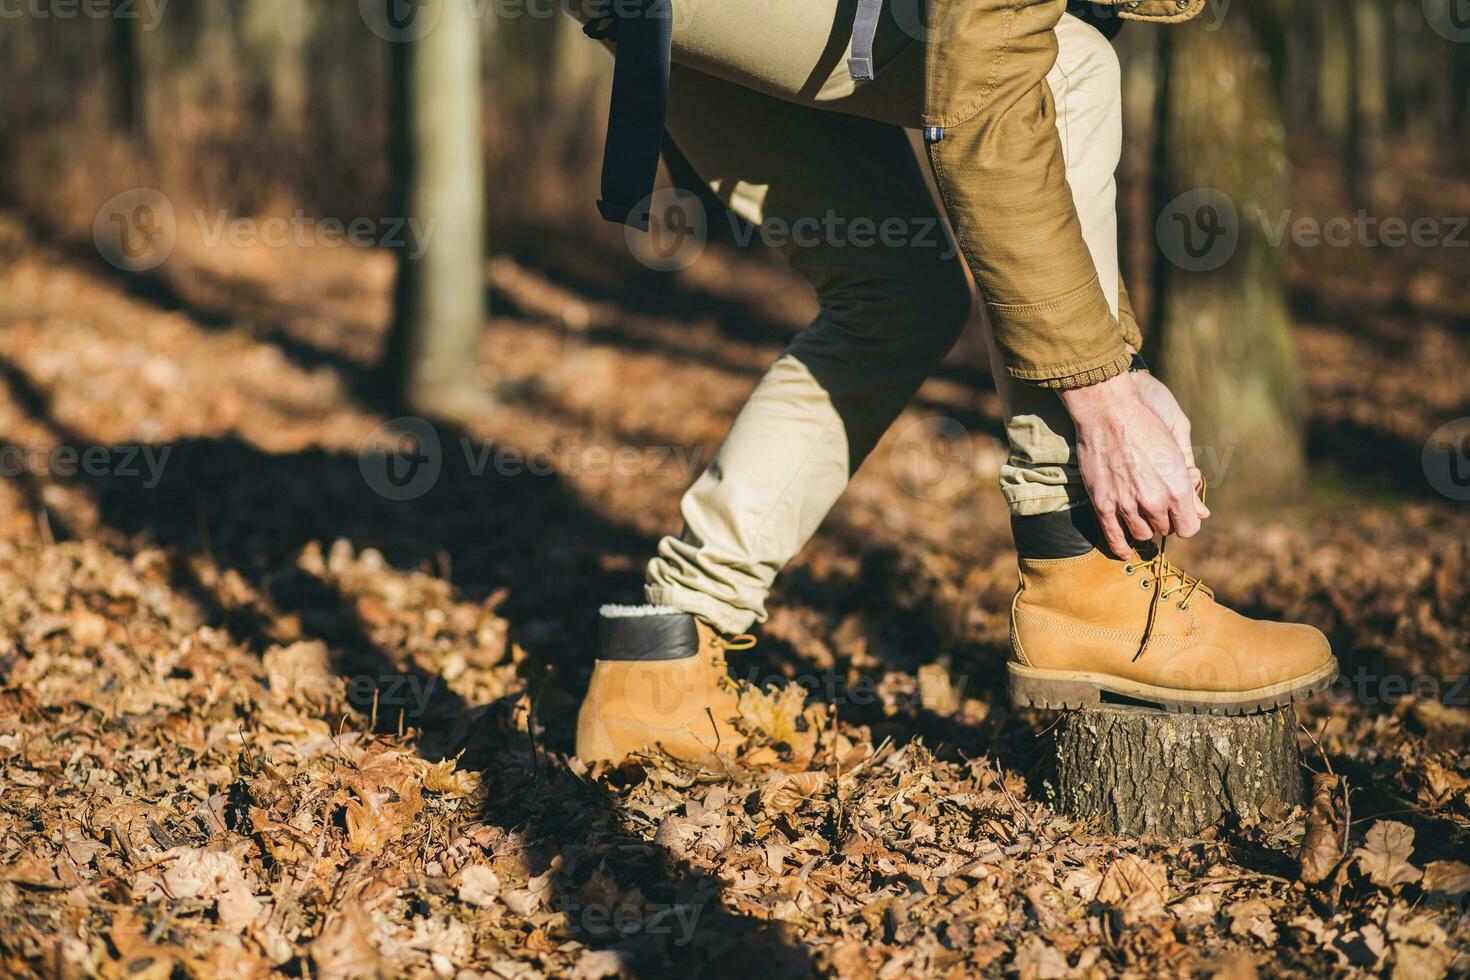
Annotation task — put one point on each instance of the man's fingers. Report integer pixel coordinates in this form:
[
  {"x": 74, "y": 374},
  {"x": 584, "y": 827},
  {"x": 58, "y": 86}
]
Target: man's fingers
[
  {"x": 1181, "y": 438},
  {"x": 1156, "y": 507},
  {"x": 1186, "y": 521},
  {"x": 1113, "y": 533},
  {"x": 1137, "y": 524},
  {"x": 1197, "y": 480}
]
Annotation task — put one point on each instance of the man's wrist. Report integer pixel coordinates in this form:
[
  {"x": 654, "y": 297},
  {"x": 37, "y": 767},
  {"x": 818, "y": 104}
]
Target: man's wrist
[{"x": 1098, "y": 400}]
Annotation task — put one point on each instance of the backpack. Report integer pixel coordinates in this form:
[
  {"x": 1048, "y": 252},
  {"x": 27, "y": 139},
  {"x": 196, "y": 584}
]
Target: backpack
[{"x": 644, "y": 32}]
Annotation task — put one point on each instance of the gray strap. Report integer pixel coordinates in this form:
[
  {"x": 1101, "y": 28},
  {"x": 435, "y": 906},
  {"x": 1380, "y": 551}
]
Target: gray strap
[{"x": 864, "y": 28}]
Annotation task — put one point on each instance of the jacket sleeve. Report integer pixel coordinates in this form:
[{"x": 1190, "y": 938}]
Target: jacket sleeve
[
  {"x": 1127, "y": 320},
  {"x": 999, "y": 168}
]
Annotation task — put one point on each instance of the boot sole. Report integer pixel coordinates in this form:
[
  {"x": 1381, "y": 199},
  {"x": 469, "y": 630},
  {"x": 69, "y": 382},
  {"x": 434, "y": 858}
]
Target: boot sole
[{"x": 1034, "y": 687}]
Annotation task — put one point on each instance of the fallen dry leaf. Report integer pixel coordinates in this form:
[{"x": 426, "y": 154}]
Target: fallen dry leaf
[
  {"x": 939, "y": 692},
  {"x": 786, "y": 792},
  {"x": 345, "y": 950},
  {"x": 478, "y": 885},
  {"x": 259, "y": 657},
  {"x": 445, "y": 778},
  {"x": 1325, "y": 840},
  {"x": 1139, "y": 886},
  {"x": 1384, "y": 856},
  {"x": 595, "y": 964},
  {"x": 1037, "y": 960},
  {"x": 1252, "y": 916},
  {"x": 773, "y": 712},
  {"x": 137, "y": 957},
  {"x": 1450, "y": 879}
]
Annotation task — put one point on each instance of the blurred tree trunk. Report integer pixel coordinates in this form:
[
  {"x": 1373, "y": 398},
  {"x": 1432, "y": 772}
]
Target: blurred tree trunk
[
  {"x": 1369, "y": 81},
  {"x": 1460, "y": 97},
  {"x": 1419, "y": 103},
  {"x": 1335, "y": 72},
  {"x": 550, "y": 100},
  {"x": 1224, "y": 331},
  {"x": 433, "y": 352},
  {"x": 1401, "y": 78},
  {"x": 130, "y": 105},
  {"x": 277, "y": 34},
  {"x": 1139, "y": 56},
  {"x": 1301, "y": 94}
]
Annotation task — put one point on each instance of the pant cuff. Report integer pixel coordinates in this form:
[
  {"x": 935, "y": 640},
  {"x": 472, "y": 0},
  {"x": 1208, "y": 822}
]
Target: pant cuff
[
  {"x": 1029, "y": 501},
  {"x": 724, "y": 617}
]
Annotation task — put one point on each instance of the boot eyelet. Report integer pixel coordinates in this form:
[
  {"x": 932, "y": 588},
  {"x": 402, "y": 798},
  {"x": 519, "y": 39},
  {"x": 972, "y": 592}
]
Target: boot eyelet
[
  {"x": 1143, "y": 583},
  {"x": 1183, "y": 607},
  {"x": 1127, "y": 570}
]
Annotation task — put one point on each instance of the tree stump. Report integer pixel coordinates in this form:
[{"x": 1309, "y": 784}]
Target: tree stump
[{"x": 1142, "y": 770}]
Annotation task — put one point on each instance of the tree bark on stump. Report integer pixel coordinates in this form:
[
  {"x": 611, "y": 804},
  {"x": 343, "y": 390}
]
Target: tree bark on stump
[{"x": 1145, "y": 771}]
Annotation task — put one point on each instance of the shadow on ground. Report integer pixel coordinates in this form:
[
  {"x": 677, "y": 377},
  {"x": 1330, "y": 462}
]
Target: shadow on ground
[{"x": 253, "y": 512}]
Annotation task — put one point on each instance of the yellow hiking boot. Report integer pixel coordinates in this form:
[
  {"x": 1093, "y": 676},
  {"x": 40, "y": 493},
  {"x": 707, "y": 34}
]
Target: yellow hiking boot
[
  {"x": 660, "y": 681},
  {"x": 1087, "y": 623}
]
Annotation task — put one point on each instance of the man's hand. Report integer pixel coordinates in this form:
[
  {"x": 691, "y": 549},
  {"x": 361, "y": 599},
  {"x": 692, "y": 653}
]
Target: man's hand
[
  {"x": 1157, "y": 396},
  {"x": 1139, "y": 479}
]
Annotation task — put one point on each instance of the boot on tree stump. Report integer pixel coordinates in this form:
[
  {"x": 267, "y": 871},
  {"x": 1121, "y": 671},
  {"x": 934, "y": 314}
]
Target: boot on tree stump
[
  {"x": 1145, "y": 771},
  {"x": 1147, "y": 631}
]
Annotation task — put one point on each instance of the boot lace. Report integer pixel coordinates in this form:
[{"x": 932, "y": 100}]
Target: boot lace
[
  {"x": 725, "y": 644},
  {"x": 1167, "y": 579}
]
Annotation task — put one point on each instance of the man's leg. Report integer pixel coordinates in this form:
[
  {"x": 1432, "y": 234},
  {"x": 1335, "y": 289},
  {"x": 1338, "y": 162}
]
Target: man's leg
[
  {"x": 846, "y": 196},
  {"x": 1041, "y": 475},
  {"x": 791, "y": 57},
  {"x": 1083, "y": 622},
  {"x": 888, "y": 312}
]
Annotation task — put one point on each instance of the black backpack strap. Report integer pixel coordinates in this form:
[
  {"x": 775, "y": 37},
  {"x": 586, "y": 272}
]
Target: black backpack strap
[
  {"x": 864, "y": 29},
  {"x": 635, "y": 121}
]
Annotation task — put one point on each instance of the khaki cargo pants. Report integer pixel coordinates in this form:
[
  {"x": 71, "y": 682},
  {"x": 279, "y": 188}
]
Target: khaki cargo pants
[{"x": 762, "y": 106}]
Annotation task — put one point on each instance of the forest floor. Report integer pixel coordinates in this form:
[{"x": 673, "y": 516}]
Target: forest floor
[{"x": 257, "y": 717}]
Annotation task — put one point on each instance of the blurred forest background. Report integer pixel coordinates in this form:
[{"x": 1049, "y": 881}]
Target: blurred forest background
[
  {"x": 274, "y": 107},
  {"x": 227, "y": 685}
]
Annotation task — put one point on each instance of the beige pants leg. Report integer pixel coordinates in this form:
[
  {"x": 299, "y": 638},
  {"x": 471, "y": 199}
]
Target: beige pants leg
[
  {"x": 890, "y": 310},
  {"x": 787, "y": 140}
]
